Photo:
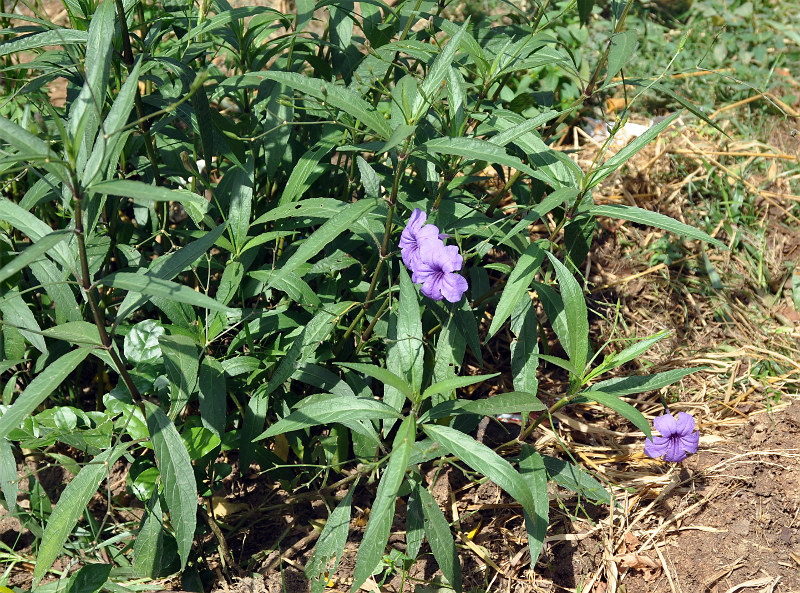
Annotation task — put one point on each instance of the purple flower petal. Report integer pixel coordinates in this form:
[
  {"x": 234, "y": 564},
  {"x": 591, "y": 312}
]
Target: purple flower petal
[
  {"x": 411, "y": 251},
  {"x": 665, "y": 424},
  {"x": 656, "y": 448},
  {"x": 690, "y": 442},
  {"x": 453, "y": 287},
  {"x": 685, "y": 424},
  {"x": 674, "y": 451}
]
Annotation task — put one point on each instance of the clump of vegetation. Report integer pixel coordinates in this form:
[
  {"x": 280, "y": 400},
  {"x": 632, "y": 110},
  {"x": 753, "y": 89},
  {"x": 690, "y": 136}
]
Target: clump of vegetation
[{"x": 205, "y": 270}]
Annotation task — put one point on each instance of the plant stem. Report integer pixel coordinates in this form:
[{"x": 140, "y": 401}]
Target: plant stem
[{"x": 89, "y": 291}]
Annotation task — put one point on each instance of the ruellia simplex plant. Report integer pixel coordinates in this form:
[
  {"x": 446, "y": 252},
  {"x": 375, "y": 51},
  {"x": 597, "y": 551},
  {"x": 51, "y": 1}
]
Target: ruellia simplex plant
[{"x": 267, "y": 237}]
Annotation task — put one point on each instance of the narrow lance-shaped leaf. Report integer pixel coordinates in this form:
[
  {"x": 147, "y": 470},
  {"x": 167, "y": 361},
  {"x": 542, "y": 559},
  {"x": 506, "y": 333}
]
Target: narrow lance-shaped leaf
[
  {"x": 619, "y": 159},
  {"x": 71, "y": 506},
  {"x": 331, "y": 543},
  {"x": 531, "y": 466},
  {"x": 482, "y": 459},
  {"x": 577, "y": 319},
  {"x": 641, "y": 383},
  {"x": 39, "y": 388},
  {"x": 519, "y": 281},
  {"x": 381, "y": 374},
  {"x": 169, "y": 266},
  {"x": 653, "y": 219},
  {"x": 177, "y": 475},
  {"x": 158, "y": 287},
  {"x": 431, "y": 86},
  {"x": 341, "y": 222},
  {"x": 616, "y": 404},
  {"x": 376, "y": 535},
  {"x": 405, "y": 355},
  {"x": 440, "y": 538},
  {"x": 8, "y": 475},
  {"x": 148, "y": 547},
  {"x": 336, "y": 96},
  {"x": 330, "y": 411},
  {"x": 32, "y": 253},
  {"x": 58, "y": 36}
]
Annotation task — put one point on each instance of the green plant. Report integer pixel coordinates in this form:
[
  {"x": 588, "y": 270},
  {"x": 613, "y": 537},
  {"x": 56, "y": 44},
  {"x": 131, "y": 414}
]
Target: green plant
[{"x": 212, "y": 219}]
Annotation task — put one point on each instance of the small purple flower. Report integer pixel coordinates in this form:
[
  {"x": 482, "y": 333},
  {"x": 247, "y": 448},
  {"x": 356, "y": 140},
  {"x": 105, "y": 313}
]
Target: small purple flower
[
  {"x": 414, "y": 234},
  {"x": 678, "y": 437},
  {"x": 436, "y": 269}
]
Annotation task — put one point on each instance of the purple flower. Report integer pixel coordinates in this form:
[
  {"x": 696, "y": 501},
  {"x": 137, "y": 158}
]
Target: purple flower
[
  {"x": 436, "y": 269},
  {"x": 678, "y": 437},
  {"x": 414, "y": 234}
]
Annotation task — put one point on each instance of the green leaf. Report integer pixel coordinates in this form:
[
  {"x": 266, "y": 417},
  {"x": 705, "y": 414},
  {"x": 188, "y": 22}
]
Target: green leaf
[
  {"x": 317, "y": 208},
  {"x": 144, "y": 192},
  {"x": 516, "y": 288},
  {"x": 619, "y": 159},
  {"x": 85, "y": 110},
  {"x": 32, "y": 253},
  {"x": 330, "y": 545},
  {"x": 405, "y": 357},
  {"x": 503, "y": 403},
  {"x": 525, "y": 347},
  {"x": 572, "y": 477},
  {"x": 381, "y": 374},
  {"x": 181, "y": 361},
  {"x": 169, "y": 266},
  {"x": 328, "y": 411},
  {"x": 177, "y": 476},
  {"x": 440, "y": 538},
  {"x": 213, "y": 395},
  {"x": 34, "y": 228},
  {"x": 616, "y": 404},
  {"x": 455, "y": 383},
  {"x": 640, "y": 383},
  {"x": 482, "y": 459},
  {"x": 75, "y": 332},
  {"x": 561, "y": 196},
  {"x": 238, "y": 184},
  {"x": 629, "y": 353},
  {"x": 576, "y": 315},
  {"x": 89, "y": 578},
  {"x": 376, "y": 534},
  {"x": 320, "y": 239},
  {"x": 298, "y": 181},
  {"x": 432, "y": 85},
  {"x": 585, "y": 10},
  {"x": 71, "y": 504},
  {"x": 141, "y": 343},
  {"x": 148, "y": 547},
  {"x": 415, "y": 523},
  {"x": 347, "y": 100},
  {"x": 17, "y": 314},
  {"x": 369, "y": 178},
  {"x": 623, "y": 46},
  {"x": 42, "y": 385},
  {"x": 9, "y": 481},
  {"x": 158, "y": 287},
  {"x": 60, "y": 37},
  {"x": 478, "y": 150},
  {"x": 532, "y": 469},
  {"x": 654, "y": 219}
]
